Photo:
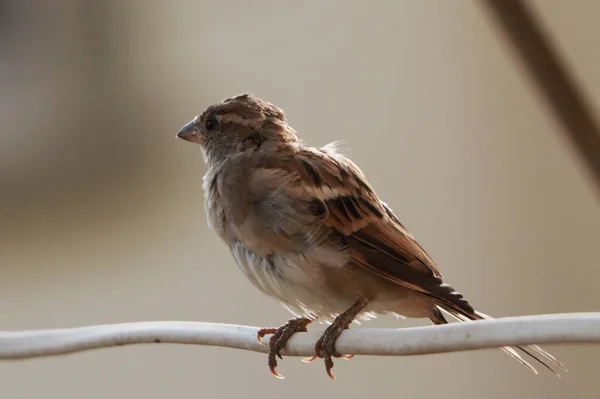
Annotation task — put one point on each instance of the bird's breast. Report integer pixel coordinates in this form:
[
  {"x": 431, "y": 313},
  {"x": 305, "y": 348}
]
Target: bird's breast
[{"x": 296, "y": 281}]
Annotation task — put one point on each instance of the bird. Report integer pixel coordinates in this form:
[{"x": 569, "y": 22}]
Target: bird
[{"x": 308, "y": 230}]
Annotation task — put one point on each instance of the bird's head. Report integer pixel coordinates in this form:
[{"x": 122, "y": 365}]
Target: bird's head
[{"x": 237, "y": 124}]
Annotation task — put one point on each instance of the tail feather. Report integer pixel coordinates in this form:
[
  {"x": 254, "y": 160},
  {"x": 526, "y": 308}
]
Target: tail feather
[
  {"x": 535, "y": 348},
  {"x": 534, "y": 351}
]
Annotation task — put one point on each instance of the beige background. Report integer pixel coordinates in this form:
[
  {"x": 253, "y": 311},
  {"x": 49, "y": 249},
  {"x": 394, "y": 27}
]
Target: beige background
[{"x": 101, "y": 207}]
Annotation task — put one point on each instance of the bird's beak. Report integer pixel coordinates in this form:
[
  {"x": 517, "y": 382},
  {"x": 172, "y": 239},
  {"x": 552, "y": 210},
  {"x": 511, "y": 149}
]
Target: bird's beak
[{"x": 190, "y": 132}]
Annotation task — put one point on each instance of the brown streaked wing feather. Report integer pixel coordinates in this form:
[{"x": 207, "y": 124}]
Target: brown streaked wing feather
[
  {"x": 337, "y": 182},
  {"x": 378, "y": 240},
  {"x": 357, "y": 207},
  {"x": 387, "y": 251},
  {"x": 420, "y": 253}
]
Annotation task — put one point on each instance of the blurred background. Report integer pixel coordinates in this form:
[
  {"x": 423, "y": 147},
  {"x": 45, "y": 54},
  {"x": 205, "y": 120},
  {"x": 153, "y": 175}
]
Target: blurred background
[{"x": 101, "y": 207}]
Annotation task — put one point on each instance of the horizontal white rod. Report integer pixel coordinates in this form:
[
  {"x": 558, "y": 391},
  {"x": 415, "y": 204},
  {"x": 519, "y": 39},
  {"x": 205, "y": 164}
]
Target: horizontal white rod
[{"x": 541, "y": 329}]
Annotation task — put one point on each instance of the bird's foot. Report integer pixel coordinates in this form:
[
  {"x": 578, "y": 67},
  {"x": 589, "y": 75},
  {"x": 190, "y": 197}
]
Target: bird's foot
[
  {"x": 280, "y": 337},
  {"x": 325, "y": 346}
]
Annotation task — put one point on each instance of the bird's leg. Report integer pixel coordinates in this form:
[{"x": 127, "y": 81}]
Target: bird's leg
[
  {"x": 280, "y": 337},
  {"x": 325, "y": 346}
]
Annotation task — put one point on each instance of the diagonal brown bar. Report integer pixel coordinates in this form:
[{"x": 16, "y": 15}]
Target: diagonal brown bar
[{"x": 552, "y": 76}]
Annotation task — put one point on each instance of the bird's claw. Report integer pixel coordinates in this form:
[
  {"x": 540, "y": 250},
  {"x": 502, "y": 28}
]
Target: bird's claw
[
  {"x": 264, "y": 331},
  {"x": 279, "y": 339},
  {"x": 327, "y": 352},
  {"x": 329, "y": 366},
  {"x": 275, "y": 373},
  {"x": 325, "y": 346}
]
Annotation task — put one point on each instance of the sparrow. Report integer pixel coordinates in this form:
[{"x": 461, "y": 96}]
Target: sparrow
[{"x": 307, "y": 229}]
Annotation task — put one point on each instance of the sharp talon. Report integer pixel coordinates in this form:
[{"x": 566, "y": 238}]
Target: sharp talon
[
  {"x": 275, "y": 373},
  {"x": 328, "y": 367},
  {"x": 279, "y": 355},
  {"x": 309, "y": 359},
  {"x": 348, "y": 357},
  {"x": 264, "y": 331}
]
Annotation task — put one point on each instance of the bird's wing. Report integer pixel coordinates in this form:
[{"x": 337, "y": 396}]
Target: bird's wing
[{"x": 376, "y": 238}]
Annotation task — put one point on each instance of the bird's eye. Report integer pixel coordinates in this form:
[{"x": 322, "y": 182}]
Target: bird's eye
[{"x": 211, "y": 123}]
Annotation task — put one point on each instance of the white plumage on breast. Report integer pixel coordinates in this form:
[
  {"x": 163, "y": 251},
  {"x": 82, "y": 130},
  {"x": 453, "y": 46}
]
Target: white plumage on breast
[{"x": 297, "y": 282}]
